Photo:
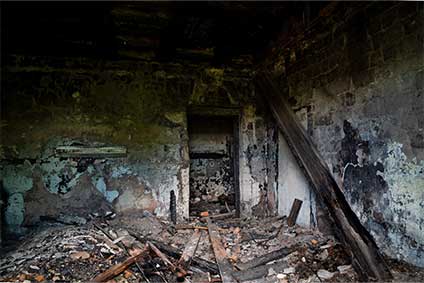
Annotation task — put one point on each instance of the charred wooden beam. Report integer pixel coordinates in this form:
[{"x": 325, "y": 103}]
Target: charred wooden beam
[
  {"x": 178, "y": 270},
  {"x": 201, "y": 263},
  {"x": 294, "y": 212},
  {"x": 368, "y": 261}
]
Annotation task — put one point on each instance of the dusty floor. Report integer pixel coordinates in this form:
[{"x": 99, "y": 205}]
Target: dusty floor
[{"x": 58, "y": 252}]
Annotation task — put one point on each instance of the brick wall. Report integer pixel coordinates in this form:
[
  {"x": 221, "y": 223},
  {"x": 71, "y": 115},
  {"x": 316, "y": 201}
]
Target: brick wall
[{"x": 355, "y": 79}]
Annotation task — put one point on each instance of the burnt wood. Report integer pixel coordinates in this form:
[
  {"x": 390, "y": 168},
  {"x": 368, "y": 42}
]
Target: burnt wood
[
  {"x": 258, "y": 272},
  {"x": 367, "y": 260},
  {"x": 190, "y": 250},
  {"x": 225, "y": 269},
  {"x": 264, "y": 259},
  {"x": 175, "y": 253},
  {"x": 120, "y": 267},
  {"x": 294, "y": 212}
]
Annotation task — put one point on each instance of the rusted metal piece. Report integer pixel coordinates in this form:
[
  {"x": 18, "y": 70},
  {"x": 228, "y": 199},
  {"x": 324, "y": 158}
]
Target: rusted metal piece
[{"x": 225, "y": 268}]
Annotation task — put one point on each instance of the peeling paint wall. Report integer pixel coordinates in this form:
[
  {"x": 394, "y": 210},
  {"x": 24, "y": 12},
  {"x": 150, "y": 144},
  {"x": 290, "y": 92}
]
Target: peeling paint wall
[
  {"x": 49, "y": 102},
  {"x": 258, "y": 163},
  {"x": 357, "y": 86},
  {"x": 293, "y": 184}
]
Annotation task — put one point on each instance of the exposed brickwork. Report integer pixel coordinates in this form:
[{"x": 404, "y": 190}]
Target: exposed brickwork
[{"x": 358, "y": 72}]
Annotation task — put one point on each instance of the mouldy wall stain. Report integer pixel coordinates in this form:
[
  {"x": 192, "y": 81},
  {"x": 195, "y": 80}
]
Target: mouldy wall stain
[
  {"x": 141, "y": 107},
  {"x": 258, "y": 161},
  {"x": 362, "y": 88},
  {"x": 84, "y": 107}
]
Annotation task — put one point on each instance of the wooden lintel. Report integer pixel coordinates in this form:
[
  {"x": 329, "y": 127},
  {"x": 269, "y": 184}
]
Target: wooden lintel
[
  {"x": 367, "y": 259},
  {"x": 93, "y": 152}
]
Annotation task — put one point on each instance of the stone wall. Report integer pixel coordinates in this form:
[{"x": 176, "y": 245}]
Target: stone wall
[
  {"x": 49, "y": 102},
  {"x": 355, "y": 79}
]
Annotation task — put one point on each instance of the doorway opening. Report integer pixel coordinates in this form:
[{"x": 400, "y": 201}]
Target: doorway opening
[{"x": 213, "y": 150}]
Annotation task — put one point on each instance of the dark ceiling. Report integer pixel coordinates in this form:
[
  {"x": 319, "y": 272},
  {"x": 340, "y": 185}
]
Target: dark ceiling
[{"x": 214, "y": 32}]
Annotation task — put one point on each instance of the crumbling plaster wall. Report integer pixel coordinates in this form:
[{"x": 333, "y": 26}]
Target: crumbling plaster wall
[
  {"x": 292, "y": 184},
  {"x": 356, "y": 82},
  {"x": 49, "y": 102}
]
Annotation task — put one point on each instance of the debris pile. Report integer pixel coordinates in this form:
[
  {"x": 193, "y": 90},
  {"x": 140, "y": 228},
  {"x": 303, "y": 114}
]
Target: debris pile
[{"x": 143, "y": 248}]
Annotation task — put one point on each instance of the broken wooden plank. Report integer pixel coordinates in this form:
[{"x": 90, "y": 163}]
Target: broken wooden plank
[
  {"x": 93, "y": 152},
  {"x": 369, "y": 263},
  {"x": 121, "y": 267},
  {"x": 258, "y": 271},
  {"x": 294, "y": 212},
  {"x": 166, "y": 260},
  {"x": 264, "y": 259},
  {"x": 201, "y": 263},
  {"x": 224, "y": 265},
  {"x": 122, "y": 246},
  {"x": 190, "y": 250}
]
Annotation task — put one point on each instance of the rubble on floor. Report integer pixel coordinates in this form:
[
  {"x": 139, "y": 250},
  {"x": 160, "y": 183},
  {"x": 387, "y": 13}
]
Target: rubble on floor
[{"x": 258, "y": 250}]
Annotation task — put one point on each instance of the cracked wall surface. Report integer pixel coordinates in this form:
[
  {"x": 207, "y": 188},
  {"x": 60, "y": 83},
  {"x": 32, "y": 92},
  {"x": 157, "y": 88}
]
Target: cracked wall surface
[{"x": 357, "y": 87}]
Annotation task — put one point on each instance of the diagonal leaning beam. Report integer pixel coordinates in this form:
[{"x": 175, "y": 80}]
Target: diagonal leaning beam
[{"x": 367, "y": 260}]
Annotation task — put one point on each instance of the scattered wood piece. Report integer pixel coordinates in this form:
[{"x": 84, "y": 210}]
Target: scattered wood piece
[
  {"x": 222, "y": 216},
  {"x": 201, "y": 263},
  {"x": 369, "y": 263},
  {"x": 121, "y": 267},
  {"x": 122, "y": 246},
  {"x": 258, "y": 271},
  {"x": 185, "y": 226},
  {"x": 294, "y": 212},
  {"x": 282, "y": 218},
  {"x": 190, "y": 250},
  {"x": 264, "y": 259},
  {"x": 164, "y": 258},
  {"x": 224, "y": 266}
]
